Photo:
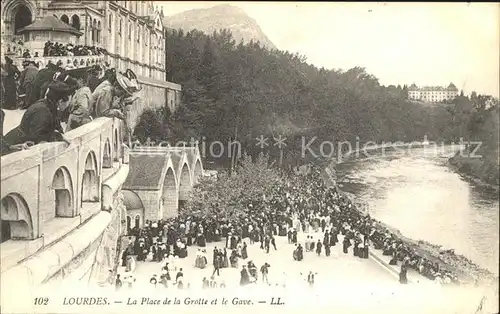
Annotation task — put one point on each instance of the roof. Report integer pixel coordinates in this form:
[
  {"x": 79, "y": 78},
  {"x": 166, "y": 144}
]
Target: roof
[
  {"x": 413, "y": 87},
  {"x": 145, "y": 174},
  {"x": 50, "y": 23},
  {"x": 450, "y": 87}
]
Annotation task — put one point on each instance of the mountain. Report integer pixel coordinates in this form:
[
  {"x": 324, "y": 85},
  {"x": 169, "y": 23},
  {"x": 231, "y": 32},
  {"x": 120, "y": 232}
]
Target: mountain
[{"x": 219, "y": 17}]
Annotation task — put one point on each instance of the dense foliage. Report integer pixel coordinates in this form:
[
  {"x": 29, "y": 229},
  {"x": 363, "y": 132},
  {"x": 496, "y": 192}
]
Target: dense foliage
[
  {"x": 479, "y": 119},
  {"x": 232, "y": 191},
  {"x": 241, "y": 91}
]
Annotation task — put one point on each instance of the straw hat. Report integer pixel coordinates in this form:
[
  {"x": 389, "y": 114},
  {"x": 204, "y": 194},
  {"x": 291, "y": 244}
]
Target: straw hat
[{"x": 128, "y": 81}]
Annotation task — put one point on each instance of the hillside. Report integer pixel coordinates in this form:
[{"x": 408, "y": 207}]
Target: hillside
[
  {"x": 220, "y": 17},
  {"x": 243, "y": 91},
  {"x": 483, "y": 163}
]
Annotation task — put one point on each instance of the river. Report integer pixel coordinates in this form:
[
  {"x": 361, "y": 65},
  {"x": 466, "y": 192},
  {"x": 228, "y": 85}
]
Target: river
[{"x": 417, "y": 193}]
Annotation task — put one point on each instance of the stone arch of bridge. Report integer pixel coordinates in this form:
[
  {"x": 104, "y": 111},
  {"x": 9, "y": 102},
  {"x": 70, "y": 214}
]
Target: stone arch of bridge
[
  {"x": 16, "y": 220},
  {"x": 169, "y": 202}
]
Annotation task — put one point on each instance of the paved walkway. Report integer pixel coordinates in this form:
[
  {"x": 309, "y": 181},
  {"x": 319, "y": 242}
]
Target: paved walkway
[{"x": 337, "y": 268}]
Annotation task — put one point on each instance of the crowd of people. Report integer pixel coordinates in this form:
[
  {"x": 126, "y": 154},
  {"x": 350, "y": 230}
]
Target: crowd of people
[
  {"x": 56, "y": 49},
  {"x": 16, "y": 83},
  {"x": 303, "y": 204},
  {"x": 56, "y": 102}
]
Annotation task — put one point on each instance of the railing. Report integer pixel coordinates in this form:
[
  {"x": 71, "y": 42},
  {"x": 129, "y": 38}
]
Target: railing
[
  {"x": 51, "y": 189},
  {"x": 68, "y": 62}
]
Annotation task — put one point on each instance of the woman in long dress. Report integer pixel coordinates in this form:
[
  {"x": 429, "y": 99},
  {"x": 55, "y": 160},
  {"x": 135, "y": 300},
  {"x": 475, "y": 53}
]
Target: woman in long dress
[
  {"x": 203, "y": 259},
  {"x": 128, "y": 266},
  {"x": 403, "y": 279},
  {"x": 9, "y": 83},
  {"x": 346, "y": 244},
  {"x": 244, "y": 253},
  {"x": 234, "y": 259},
  {"x": 197, "y": 262},
  {"x": 366, "y": 248}
]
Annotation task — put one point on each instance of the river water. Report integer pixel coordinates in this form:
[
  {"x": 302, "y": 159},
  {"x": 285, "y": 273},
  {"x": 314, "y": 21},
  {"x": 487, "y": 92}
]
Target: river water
[{"x": 417, "y": 193}]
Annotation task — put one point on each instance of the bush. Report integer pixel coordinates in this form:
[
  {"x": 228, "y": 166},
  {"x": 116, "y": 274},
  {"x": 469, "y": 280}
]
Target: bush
[
  {"x": 230, "y": 195},
  {"x": 153, "y": 124}
]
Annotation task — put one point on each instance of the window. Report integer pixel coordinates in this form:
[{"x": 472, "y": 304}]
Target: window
[
  {"x": 129, "y": 30},
  {"x": 98, "y": 32},
  {"x": 110, "y": 22},
  {"x": 75, "y": 21},
  {"x": 94, "y": 30},
  {"x": 121, "y": 25}
]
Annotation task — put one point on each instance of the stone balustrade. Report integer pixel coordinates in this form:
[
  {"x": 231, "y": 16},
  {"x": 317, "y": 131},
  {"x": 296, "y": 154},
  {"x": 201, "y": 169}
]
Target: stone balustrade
[
  {"x": 68, "y": 62},
  {"x": 53, "y": 191}
]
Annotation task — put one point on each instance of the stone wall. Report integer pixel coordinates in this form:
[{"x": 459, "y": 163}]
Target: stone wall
[
  {"x": 107, "y": 252},
  {"x": 154, "y": 94},
  {"x": 54, "y": 244}
]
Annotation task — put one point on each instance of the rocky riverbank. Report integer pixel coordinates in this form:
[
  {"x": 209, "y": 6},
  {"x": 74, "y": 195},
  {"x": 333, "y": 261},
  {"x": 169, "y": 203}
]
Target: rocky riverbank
[
  {"x": 466, "y": 270},
  {"x": 480, "y": 171}
]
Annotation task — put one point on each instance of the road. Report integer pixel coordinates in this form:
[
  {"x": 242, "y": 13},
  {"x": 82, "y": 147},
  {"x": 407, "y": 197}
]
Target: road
[{"x": 337, "y": 268}]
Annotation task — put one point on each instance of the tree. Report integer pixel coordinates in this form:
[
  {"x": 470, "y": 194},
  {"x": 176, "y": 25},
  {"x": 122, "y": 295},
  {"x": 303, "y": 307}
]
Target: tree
[
  {"x": 256, "y": 91},
  {"x": 231, "y": 194}
]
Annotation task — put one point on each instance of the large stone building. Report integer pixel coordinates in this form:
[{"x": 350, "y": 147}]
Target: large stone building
[
  {"x": 432, "y": 94},
  {"x": 131, "y": 33}
]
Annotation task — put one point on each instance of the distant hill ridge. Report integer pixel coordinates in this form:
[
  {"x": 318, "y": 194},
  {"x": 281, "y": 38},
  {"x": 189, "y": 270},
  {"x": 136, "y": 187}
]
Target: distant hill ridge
[{"x": 242, "y": 26}]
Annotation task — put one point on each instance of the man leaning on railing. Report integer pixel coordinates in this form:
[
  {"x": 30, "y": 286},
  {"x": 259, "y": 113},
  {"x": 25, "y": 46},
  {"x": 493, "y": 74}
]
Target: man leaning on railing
[
  {"x": 115, "y": 95},
  {"x": 40, "y": 123}
]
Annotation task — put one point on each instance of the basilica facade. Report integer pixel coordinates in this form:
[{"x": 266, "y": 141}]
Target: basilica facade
[
  {"x": 130, "y": 31},
  {"x": 130, "y": 35}
]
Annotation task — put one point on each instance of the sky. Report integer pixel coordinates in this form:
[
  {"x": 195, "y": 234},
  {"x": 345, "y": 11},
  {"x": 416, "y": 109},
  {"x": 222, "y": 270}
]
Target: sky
[{"x": 399, "y": 43}]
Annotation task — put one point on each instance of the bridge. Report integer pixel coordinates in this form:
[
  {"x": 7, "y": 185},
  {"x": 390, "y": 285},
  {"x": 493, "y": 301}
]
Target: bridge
[
  {"x": 159, "y": 179},
  {"x": 64, "y": 207}
]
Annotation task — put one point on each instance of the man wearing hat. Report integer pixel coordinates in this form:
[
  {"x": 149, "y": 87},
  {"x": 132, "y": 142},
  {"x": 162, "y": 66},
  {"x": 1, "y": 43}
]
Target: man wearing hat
[
  {"x": 112, "y": 96},
  {"x": 40, "y": 122},
  {"x": 79, "y": 105},
  {"x": 40, "y": 83},
  {"x": 9, "y": 99},
  {"x": 27, "y": 79},
  {"x": 93, "y": 77}
]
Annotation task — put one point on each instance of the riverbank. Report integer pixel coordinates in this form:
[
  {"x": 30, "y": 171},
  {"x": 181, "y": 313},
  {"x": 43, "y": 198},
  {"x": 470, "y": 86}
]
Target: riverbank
[
  {"x": 464, "y": 269},
  {"x": 476, "y": 170}
]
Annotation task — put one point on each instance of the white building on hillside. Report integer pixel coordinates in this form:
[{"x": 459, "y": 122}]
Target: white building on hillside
[{"x": 432, "y": 94}]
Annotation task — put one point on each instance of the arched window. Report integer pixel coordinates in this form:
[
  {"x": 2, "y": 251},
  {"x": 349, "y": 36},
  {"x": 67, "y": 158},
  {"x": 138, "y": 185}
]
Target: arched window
[
  {"x": 129, "y": 30},
  {"x": 75, "y": 21},
  {"x": 94, "y": 30},
  {"x": 16, "y": 222},
  {"x": 65, "y": 18},
  {"x": 22, "y": 18},
  {"x": 137, "y": 221},
  {"x": 110, "y": 22},
  {"x": 169, "y": 198},
  {"x": 98, "y": 31},
  {"x": 90, "y": 180},
  {"x": 63, "y": 189},
  {"x": 107, "y": 161},
  {"x": 121, "y": 26}
]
